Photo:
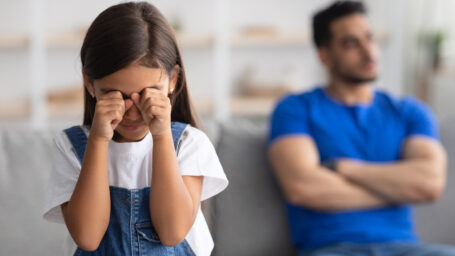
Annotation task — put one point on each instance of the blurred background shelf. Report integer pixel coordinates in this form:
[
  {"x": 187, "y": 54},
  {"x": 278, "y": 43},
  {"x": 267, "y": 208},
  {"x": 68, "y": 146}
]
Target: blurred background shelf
[
  {"x": 13, "y": 41},
  {"x": 240, "y": 56}
]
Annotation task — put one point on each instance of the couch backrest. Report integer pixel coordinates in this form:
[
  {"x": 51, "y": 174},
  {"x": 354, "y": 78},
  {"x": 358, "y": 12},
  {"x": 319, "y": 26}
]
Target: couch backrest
[
  {"x": 249, "y": 216},
  {"x": 25, "y": 164},
  {"x": 247, "y": 219},
  {"x": 436, "y": 222}
]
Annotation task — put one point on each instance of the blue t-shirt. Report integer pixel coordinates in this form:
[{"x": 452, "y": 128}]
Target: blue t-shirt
[{"x": 371, "y": 132}]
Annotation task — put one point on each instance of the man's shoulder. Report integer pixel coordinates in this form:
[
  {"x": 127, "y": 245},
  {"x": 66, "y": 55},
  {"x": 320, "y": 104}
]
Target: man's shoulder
[
  {"x": 299, "y": 98},
  {"x": 402, "y": 104}
]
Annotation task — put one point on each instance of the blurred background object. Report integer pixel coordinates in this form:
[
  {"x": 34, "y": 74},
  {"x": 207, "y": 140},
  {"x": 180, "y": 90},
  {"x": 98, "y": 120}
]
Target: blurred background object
[{"x": 240, "y": 56}]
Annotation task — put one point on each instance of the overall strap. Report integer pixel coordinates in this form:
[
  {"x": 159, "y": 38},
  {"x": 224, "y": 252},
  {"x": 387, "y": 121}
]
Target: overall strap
[
  {"x": 78, "y": 139},
  {"x": 177, "y": 129}
]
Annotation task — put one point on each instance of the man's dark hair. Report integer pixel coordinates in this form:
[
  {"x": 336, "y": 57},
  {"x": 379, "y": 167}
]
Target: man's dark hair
[{"x": 324, "y": 18}]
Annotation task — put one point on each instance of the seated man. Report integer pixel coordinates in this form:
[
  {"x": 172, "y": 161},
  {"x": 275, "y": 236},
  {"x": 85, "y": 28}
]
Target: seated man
[{"x": 349, "y": 158}]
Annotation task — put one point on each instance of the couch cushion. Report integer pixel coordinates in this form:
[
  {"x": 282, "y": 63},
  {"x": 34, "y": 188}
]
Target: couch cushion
[
  {"x": 249, "y": 216},
  {"x": 25, "y": 164}
]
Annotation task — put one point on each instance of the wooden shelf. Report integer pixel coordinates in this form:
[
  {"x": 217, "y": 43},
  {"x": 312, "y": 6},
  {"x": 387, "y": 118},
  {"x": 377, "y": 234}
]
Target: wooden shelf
[
  {"x": 66, "y": 40},
  {"x": 257, "y": 106},
  {"x": 75, "y": 39},
  {"x": 240, "y": 106},
  {"x": 278, "y": 39},
  {"x": 14, "y": 109},
  {"x": 13, "y": 41},
  {"x": 187, "y": 40}
]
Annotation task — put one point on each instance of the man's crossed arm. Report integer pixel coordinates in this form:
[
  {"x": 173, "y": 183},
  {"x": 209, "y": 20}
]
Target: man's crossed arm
[{"x": 419, "y": 177}]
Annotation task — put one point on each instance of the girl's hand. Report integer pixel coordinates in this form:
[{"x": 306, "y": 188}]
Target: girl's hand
[
  {"x": 155, "y": 108},
  {"x": 109, "y": 111}
]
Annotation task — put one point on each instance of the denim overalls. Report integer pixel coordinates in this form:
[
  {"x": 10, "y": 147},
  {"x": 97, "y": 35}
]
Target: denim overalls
[{"x": 130, "y": 230}]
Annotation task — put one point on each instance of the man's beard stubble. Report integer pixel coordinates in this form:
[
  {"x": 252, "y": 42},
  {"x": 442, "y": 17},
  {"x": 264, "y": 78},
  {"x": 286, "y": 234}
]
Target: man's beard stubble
[
  {"x": 353, "y": 79},
  {"x": 356, "y": 80}
]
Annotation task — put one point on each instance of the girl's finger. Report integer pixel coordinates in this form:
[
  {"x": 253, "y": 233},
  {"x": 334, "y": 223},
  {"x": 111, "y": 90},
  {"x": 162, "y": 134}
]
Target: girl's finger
[
  {"x": 136, "y": 98},
  {"x": 128, "y": 104},
  {"x": 157, "y": 101},
  {"x": 146, "y": 106},
  {"x": 156, "y": 94},
  {"x": 115, "y": 116},
  {"x": 158, "y": 111},
  {"x": 120, "y": 107},
  {"x": 111, "y": 95},
  {"x": 151, "y": 103},
  {"x": 110, "y": 101}
]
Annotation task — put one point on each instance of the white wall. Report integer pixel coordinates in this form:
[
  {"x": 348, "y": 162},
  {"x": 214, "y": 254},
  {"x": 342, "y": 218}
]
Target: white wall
[{"x": 271, "y": 63}]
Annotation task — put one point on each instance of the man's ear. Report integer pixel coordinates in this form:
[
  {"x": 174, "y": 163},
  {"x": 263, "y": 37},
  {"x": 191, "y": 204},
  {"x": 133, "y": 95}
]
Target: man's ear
[
  {"x": 88, "y": 84},
  {"x": 325, "y": 56},
  {"x": 174, "y": 78}
]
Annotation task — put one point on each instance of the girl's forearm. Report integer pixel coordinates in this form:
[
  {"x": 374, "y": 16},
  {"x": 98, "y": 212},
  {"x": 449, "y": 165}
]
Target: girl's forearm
[
  {"x": 171, "y": 206},
  {"x": 88, "y": 211}
]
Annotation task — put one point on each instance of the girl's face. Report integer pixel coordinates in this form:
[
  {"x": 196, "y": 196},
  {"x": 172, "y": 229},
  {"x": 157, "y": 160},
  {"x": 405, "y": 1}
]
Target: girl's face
[{"x": 133, "y": 78}]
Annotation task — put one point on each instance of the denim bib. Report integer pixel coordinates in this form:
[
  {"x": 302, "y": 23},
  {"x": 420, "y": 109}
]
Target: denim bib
[{"x": 130, "y": 230}]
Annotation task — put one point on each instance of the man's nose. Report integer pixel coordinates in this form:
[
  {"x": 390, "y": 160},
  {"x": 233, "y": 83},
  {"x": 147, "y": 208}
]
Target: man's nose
[{"x": 368, "y": 49}]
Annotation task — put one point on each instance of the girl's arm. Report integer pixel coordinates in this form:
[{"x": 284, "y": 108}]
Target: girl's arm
[
  {"x": 88, "y": 211},
  {"x": 174, "y": 200}
]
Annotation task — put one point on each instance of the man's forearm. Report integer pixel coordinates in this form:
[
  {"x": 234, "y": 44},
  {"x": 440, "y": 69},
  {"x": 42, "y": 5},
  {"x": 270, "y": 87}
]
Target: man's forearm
[
  {"x": 408, "y": 181},
  {"x": 327, "y": 191}
]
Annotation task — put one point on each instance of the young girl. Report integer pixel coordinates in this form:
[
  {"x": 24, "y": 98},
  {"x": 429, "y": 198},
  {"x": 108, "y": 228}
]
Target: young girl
[{"x": 131, "y": 179}]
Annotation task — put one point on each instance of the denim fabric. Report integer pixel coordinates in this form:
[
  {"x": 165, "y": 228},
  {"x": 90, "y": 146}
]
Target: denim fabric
[{"x": 130, "y": 230}]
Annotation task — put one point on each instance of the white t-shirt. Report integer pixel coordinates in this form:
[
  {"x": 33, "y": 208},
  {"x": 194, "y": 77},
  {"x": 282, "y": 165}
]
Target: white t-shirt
[{"x": 196, "y": 157}]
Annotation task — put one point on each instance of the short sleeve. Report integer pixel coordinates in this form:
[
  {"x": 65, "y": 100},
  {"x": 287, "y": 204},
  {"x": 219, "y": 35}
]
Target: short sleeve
[
  {"x": 63, "y": 178},
  {"x": 288, "y": 118},
  {"x": 197, "y": 157},
  {"x": 420, "y": 119}
]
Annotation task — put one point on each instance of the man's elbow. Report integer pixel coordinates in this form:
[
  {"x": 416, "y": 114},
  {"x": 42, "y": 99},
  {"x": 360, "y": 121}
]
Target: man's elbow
[
  {"x": 303, "y": 197},
  {"x": 434, "y": 191},
  {"x": 430, "y": 192},
  {"x": 297, "y": 196}
]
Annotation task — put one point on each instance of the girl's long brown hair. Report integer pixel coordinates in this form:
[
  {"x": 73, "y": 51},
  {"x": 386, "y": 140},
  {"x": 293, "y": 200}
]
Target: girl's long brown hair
[{"x": 130, "y": 32}]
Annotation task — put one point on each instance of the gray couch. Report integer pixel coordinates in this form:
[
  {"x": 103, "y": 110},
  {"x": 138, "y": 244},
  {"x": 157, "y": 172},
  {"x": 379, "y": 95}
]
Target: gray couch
[{"x": 246, "y": 219}]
